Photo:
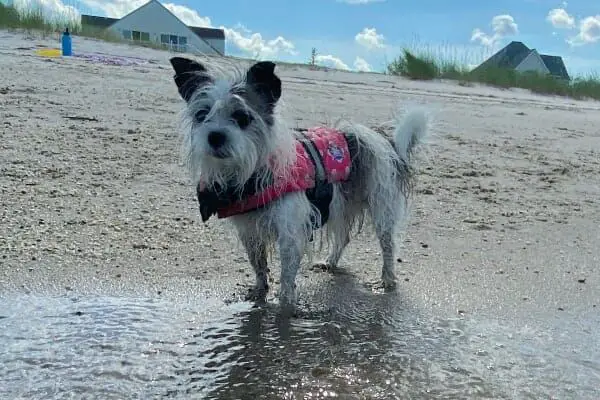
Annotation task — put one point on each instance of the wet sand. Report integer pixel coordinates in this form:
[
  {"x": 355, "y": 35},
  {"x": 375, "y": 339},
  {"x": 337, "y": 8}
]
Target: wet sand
[{"x": 95, "y": 201}]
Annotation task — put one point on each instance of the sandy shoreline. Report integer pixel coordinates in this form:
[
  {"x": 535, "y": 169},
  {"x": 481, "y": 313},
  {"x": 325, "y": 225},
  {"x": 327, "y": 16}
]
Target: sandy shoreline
[{"x": 94, "y": 199}]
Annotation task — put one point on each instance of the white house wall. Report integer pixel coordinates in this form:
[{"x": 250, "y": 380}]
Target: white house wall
[
  {"x": 218, "y": 44},
  {"x": 154, "y": 19},
  {"x": 533, "y": 62}
]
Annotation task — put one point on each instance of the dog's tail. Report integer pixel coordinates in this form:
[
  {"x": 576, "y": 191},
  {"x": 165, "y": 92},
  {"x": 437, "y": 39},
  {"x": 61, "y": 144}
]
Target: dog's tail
[{"x": 410, "y": 130}]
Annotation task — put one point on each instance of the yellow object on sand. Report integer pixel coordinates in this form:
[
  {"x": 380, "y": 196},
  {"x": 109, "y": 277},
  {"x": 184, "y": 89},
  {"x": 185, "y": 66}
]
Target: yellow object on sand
[{"x": 49, "y": 52}]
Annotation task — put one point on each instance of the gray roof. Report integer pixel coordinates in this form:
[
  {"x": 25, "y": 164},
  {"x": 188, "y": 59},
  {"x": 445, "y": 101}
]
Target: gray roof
[
  {"x": 208, "y": 33},
  {"x": 515, "y": 52},
  {"x": 556, "y": 66},
  {"x": 100, "y": 22},
  {"x": 508, "y": 57}
]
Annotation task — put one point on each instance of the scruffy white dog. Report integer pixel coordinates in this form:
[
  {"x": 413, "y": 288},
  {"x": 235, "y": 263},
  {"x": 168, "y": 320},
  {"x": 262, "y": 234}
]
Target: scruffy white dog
[{"x": 278, "y": 185}]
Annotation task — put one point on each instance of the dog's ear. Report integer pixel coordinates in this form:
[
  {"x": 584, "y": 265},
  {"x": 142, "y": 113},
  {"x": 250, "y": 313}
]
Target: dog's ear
[
  {"x": 182, "y": 65},
  {"x": 261, "y": 77},
  {"x": 189, "y": 76}
]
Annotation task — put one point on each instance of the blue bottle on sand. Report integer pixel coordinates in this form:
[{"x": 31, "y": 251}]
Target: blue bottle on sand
[{"x": 66, "y": 43}]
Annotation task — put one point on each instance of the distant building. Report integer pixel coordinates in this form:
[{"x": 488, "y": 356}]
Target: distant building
[
  {"x": 154, "y": 23},
  {"x": 518, "y": 57}
]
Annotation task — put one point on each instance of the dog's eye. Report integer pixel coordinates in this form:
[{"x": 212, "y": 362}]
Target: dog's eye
[
  {"x": 201, "y": 115},
  {"x": 242, "y": 118}
]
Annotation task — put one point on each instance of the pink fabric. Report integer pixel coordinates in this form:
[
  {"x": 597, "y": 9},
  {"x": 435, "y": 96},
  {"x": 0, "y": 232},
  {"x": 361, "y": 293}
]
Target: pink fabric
[{"x": 333, "y": 148}]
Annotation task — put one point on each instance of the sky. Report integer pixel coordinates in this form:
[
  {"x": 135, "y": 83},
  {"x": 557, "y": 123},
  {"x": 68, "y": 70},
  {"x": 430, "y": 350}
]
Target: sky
[{"x": 367, "y": 34}]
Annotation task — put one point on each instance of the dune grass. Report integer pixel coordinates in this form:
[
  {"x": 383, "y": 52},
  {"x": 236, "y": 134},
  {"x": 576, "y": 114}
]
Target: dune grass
[
  {"x": 33, "y": 19},
  {"x": 425, "y": 66}
]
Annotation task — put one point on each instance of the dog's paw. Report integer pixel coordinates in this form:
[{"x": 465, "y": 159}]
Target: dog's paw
[
  {"x": 382, "y": 286},
  {"x": 288, "y": 298},
  {"x": 288, "y": 310},
  {"x": 323, "y": 266},
  {"x": 257, "y": 294}
]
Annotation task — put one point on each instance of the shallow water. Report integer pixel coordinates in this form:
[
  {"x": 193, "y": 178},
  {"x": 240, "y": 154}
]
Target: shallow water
[{"x": 353, "y": 344}]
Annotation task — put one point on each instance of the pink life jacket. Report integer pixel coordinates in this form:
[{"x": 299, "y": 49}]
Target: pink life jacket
[{"x": 335, "y": 161}]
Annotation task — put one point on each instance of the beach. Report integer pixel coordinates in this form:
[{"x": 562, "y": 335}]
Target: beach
[{"x": 96, "y": 202}]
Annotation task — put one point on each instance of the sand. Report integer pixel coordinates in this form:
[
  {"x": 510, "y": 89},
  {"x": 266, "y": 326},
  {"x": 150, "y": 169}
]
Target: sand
[{"x": 94, "y": 199}]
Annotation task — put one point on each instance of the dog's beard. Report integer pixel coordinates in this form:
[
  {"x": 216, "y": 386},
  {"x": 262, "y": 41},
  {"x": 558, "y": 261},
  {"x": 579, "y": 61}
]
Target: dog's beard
[
  {"x": 252, "y": 154},
  {"x": 233, "y": 168}
]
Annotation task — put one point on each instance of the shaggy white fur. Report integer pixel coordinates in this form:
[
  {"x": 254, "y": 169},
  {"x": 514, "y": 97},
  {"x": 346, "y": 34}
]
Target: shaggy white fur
[{"x": 233, "y": 134}]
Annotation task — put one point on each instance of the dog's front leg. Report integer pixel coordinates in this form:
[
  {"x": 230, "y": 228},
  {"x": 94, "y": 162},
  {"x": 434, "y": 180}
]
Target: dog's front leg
[
  {"x": 256, "y": 248},
  {"x": 292, "y": 217},
  {"x": 290, "y": 251}
]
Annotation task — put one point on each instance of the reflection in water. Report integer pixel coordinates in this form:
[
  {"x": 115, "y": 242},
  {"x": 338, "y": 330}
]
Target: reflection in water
[{"x": 350, "y": 344}]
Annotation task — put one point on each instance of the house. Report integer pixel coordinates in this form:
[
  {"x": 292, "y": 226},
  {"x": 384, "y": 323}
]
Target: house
[
  {"x": 154, "y": 23},
  {"x": 518, "y": 57}
]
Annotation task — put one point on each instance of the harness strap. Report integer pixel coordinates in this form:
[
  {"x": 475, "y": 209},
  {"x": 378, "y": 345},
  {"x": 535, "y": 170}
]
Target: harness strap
[
  {"x": 315, "y": 156},
  {"x": 321, "y": 194}
]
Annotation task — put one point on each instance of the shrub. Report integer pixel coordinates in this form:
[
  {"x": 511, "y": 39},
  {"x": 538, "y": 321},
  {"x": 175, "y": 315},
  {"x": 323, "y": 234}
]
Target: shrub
[{"x": 414, "y": 67}]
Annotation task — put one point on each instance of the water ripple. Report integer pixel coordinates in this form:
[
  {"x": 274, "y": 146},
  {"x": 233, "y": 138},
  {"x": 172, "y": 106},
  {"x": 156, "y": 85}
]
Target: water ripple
[{"x": 351, "y": 344}]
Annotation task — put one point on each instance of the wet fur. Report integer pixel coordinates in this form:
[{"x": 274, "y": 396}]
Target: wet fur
[{"x": 379, "y": 187}]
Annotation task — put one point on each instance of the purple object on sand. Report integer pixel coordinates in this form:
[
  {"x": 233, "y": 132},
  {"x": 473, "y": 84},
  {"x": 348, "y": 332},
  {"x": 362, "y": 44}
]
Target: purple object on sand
[{"x": 110, "y": 59}]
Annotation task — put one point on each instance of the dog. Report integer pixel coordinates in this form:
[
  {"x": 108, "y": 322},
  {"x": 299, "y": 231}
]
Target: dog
[{"x": 278, "y": 185}]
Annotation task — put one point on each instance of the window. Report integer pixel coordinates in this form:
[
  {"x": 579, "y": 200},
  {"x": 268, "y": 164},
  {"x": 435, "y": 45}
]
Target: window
[
  {"x": 182, "y": 44},
  {"x": 173, "y": 42},
  {"x": 126, "y": 34},
  {"x": 140, "y": 36}
]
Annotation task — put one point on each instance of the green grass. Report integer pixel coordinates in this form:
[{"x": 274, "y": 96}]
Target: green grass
[
  {"x": 33, "y": 20},
  {"x": 423, "y": 65}
]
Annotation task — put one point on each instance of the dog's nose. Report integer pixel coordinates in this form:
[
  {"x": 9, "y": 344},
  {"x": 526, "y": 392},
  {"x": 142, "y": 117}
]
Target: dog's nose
[{"x": 216, "y": 139}]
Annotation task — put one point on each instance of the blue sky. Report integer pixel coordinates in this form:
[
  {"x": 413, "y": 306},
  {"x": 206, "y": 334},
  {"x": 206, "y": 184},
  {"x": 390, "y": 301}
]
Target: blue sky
[{"x": 364, "y": 34}]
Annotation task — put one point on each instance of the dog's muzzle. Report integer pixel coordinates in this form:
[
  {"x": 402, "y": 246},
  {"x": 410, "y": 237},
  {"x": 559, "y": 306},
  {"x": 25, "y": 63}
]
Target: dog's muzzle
[{"x": 217, "y": 141}]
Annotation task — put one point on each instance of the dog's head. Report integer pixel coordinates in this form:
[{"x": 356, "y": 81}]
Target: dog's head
[{"x": 230, "y": 130}]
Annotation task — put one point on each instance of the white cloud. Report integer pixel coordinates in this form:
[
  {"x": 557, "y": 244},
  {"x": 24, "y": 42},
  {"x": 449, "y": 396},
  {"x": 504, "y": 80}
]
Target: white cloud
[
  {"x": 370, "y": 39},
  {"x": 560, "y": 18},
  {"x": 360, "y": 64},
  {"x": 188, "y": 16},
  {"x": 588, "y": 27},
  {"x": 52, "y": 9},
  {"x": 331, "y": 62},
  {"x": 589, "y": 31},
  {"x": 114, "y": 8},
  {"x": 502, "y": 26},
  {"x": 252, "y": 44}
]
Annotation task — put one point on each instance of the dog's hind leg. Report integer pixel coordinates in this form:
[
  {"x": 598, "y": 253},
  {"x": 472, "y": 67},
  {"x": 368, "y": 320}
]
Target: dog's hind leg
[
  {"x": 384, "y": 223},
  {"x": 386, "y": 241},
  {"x": 338, "y": 227},
  {"x": 340, "y": 241},
  {"x": 340, "y": 237},
  {"x": 256, "y": 248}
]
